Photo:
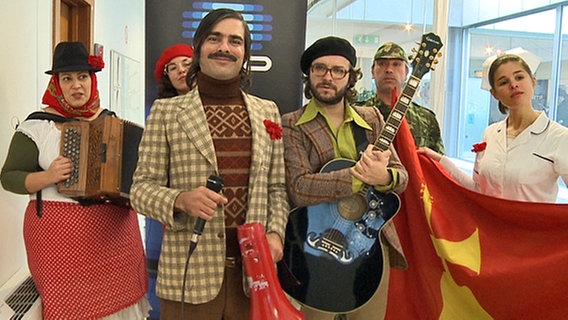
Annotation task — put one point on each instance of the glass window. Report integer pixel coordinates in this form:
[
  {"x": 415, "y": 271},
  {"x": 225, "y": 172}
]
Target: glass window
[
  {"x": 562, "y": 100},
  {"x": 468, "y": 108},
  {"x": 367, "y": 24},
  {"x": 479, "y": 107},
  {"x": 473, "y": 12},
  {"x": 477, "y": 29}
]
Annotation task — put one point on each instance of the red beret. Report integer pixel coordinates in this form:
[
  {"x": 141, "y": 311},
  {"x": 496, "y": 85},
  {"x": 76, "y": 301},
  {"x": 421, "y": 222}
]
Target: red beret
[{"x": 176, "y": 50}]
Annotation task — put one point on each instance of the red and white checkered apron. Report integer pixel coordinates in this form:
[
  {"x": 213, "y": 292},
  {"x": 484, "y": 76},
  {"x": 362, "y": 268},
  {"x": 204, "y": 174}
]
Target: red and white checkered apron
[{"x": 86, "y": 261}]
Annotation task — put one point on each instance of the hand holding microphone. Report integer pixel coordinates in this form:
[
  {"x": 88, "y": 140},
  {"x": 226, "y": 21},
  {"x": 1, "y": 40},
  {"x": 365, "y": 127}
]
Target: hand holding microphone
[{"x": 214, "y": 183}]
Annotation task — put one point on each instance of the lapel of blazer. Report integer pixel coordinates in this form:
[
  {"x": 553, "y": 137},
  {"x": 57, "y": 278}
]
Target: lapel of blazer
[
  {"x": 258, "y": 139},
  {"x": 320, "y": 137},
  {"x": 193, "y": 122}
]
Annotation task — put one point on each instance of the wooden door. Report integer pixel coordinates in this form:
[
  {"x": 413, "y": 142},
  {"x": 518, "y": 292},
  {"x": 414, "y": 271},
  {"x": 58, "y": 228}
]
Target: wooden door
[{"x": 73, "y": 21}]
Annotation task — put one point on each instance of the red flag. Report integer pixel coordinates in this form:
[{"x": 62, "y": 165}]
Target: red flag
[
  {"x": 394, "y": 96},
  {"x": 473, "y": 256}
]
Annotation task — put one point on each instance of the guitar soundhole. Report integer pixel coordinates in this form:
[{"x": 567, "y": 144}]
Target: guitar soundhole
[{"x": 352, "y": 208}]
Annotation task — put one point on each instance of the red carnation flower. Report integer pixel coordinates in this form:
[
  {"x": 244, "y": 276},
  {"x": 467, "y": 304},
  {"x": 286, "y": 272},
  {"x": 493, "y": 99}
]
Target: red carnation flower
[
  {"x": 96, "y": 62},
  {"x": 478, "y": 147},
  {"x": 274, "y": 129}
]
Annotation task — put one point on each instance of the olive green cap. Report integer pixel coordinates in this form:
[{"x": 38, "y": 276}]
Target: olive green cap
[{"x": 391, "y": 50}]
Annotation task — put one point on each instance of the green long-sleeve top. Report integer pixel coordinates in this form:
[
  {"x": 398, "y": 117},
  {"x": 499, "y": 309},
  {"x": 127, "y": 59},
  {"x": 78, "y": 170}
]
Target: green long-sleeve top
[{"x": 22, "y": 159}]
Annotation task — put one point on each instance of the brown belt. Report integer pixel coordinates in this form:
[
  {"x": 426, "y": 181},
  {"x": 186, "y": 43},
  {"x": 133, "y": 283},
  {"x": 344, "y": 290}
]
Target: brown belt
[
  {"x": 231, "y": 262},
  {"x": 233, "y": 251}
]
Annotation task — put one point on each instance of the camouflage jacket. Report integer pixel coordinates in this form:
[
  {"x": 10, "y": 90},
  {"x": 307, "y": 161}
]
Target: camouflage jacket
[{"x": 422, "y": 122}]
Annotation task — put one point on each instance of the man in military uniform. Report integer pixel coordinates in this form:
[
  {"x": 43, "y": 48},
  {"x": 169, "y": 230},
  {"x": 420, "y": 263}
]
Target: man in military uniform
[{"x": 390, "y": 70}]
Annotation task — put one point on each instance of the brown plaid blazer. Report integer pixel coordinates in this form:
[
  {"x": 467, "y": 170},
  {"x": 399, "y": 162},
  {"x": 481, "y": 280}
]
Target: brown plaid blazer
[
  {"x": 308, "y": 147},
  {"x": 177, "y": 154}
]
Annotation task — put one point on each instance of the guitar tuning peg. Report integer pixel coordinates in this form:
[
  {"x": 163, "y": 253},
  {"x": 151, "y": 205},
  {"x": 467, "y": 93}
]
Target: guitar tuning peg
[
  {"x": 439, "y": 54},
  {"x": 410, "y": 57},
  {"x": 436, "y": 61},
  {"x": 414, "y": 50},
  {"x": 418, "y": 43}
]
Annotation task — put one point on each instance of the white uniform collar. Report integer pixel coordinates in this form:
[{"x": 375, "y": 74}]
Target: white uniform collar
[{"x": 537, "y": 127}]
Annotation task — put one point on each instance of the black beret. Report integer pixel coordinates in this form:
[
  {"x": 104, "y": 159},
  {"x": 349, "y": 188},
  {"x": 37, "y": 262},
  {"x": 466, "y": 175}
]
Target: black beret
[{"x": 328, "y": 46}]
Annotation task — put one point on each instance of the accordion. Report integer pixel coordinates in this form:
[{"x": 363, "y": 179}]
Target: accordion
[{"x": 104, "y": 153}]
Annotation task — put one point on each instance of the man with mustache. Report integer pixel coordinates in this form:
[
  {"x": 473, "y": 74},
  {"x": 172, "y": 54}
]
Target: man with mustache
[
  {"x": 214, "y": 129},
  {"x": 390, "y": 71},
  {"x": 326, "y": 129}
]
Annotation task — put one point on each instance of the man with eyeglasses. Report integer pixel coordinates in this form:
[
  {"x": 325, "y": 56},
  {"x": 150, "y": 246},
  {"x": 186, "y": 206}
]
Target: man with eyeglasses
[
  {"x": 328, "y": 128},
  {"x": 390, "y": 71}
]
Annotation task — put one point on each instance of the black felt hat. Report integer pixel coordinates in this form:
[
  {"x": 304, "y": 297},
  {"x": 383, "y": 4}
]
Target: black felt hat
[
  {"x": 73, "y": 56},
  {"x": 328, "y": 46}
]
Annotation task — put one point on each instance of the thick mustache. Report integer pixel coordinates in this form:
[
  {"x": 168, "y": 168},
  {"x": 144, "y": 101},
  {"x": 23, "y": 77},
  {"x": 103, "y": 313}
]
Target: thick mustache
[{"x": 222, "y": 55}]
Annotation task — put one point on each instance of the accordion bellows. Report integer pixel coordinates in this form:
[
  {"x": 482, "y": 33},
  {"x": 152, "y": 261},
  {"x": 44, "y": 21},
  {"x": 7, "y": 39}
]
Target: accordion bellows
[{"x": 104, "y": 153}]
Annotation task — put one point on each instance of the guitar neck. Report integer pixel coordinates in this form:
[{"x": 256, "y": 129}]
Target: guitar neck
[{"x": 396, "y": 116}]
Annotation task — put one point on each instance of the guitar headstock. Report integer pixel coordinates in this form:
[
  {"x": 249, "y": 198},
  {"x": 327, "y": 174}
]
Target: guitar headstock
[{"x": 426, "y": 54}]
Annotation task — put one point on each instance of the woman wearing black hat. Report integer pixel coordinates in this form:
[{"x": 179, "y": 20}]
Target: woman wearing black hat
[{"x": 87, "y": 261}]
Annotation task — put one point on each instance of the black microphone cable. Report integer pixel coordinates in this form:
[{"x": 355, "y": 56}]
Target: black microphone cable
[{"x": 214, "y": 183}]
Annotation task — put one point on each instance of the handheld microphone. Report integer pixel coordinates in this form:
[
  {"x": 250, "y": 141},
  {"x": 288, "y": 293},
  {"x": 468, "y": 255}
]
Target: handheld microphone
[{"x": 214, "y": 183}]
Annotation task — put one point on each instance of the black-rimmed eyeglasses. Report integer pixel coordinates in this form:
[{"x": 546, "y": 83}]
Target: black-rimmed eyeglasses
[{"x": 321, "y": 70}]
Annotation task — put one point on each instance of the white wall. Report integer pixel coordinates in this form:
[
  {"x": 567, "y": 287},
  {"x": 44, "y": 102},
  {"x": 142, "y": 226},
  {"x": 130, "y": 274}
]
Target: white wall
[
  {"x": 26, "y": 53},
  {"x": 119, "y": 26}
]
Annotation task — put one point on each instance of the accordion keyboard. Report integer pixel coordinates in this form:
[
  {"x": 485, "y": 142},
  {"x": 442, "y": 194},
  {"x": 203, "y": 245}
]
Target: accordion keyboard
[
  {"x": 103, "y": 153},
  {"x": 72, "y": 151}
]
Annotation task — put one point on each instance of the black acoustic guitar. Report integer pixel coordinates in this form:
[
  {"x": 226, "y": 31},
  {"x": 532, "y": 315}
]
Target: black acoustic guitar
[{"x": 332, "y": 248}]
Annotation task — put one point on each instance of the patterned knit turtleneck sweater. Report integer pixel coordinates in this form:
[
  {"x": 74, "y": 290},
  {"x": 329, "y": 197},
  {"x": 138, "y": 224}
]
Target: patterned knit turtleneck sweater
[{"x": 230, "y": 128}]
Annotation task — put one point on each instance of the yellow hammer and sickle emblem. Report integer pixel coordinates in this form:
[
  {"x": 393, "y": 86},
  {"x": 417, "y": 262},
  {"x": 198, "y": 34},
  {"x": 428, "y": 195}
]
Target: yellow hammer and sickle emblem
[{"x": 459, "y": 302}]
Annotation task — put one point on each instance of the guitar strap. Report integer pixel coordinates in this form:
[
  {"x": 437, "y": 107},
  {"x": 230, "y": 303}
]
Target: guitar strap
[
  {"x": 40, "y": 115},
  {"x": 361, "y": 141}
]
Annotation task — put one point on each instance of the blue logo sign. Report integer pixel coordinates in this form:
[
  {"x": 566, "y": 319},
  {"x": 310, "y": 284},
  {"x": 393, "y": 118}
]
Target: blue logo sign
[{"x": 259, "y": 23}]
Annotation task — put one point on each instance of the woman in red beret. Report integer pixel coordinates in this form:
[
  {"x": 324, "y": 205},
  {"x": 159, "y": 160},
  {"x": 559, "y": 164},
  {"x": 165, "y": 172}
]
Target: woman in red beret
[{"x": 171, "y": 70}]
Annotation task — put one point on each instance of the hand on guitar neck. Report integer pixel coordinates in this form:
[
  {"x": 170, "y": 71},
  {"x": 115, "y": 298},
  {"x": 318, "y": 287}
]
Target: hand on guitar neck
[{"x": 372, "y": 167}]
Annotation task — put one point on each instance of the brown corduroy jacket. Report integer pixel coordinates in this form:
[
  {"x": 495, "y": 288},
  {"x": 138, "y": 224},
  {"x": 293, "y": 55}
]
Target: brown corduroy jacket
[{"x": 309, "y": 146}]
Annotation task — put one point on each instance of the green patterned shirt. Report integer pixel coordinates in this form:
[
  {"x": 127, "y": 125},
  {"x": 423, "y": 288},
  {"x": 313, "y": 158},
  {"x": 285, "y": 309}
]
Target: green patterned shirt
[{"x": 422, "y": 122}]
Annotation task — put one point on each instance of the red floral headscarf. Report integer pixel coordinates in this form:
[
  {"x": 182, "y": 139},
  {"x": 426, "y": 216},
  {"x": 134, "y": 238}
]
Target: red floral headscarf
[{"x": 53, "y": 97}]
